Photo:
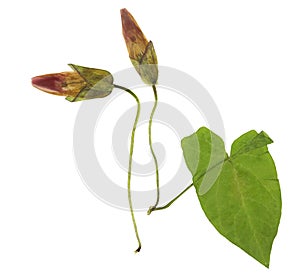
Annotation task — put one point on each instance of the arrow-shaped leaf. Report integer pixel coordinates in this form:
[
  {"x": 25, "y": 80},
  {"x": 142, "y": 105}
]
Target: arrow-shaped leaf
[{"x": 240, "y": 194}]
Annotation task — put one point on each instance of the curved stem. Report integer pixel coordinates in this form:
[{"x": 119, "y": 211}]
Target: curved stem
[
  {"x": 130, "y": 163},
  {"x": 152, "y": 151},
  {"x": 195, "y": 178},
  {"x": 171, "y": 202}
]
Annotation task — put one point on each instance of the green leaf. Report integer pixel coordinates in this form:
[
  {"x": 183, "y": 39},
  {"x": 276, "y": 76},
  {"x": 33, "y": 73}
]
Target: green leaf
[
  {"x": 99, "y": 83},
  {"x": 240, "y": 194}
]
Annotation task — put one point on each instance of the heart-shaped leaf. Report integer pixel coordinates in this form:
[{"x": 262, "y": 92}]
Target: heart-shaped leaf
[{"x": 240, "y": 193}]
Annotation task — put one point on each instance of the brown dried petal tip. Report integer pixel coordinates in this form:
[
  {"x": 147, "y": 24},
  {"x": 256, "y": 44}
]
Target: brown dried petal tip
[
  {"x": 141, "y": 52},
  {"x": 63, "y": 84},
  {"x": 136, "y": 41}
]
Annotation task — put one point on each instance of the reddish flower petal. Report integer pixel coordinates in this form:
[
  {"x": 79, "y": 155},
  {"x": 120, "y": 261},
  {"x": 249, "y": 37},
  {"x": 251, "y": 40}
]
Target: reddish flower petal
[
  {"x": 141, "y": 52},
  {"x": 136, "y": 41},
  {"x": 64, "y": 83}
]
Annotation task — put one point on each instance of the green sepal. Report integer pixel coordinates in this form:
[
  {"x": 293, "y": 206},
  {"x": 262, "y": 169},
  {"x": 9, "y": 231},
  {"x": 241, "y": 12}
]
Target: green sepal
[
  {"x": 99, "y": 83},
  {"x": 146, "y": 66}
]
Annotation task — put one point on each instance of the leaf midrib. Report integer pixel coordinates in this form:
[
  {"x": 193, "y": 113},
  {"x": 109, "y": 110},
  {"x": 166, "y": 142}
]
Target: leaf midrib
[{"x": 244, "y": 207}]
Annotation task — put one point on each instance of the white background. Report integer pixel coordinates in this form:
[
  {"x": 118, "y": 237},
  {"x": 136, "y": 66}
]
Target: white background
[{"x": 246, "y": 54}]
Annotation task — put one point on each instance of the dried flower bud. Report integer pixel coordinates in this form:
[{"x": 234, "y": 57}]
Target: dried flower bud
[
  {"x": 65, "y": 83},
  {"x": 141, "y": 52},
  {"x": 81, "y": 84}
]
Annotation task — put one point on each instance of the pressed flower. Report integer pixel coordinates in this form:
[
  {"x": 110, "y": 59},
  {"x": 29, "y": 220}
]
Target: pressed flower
[
  {"x": 89, "y": 83},
  {"x": 81, "y": 84},
  {"x": 141, "y": 52},
  {"x": 65, "y": 83},
  {"x": 143, "y": 57}
]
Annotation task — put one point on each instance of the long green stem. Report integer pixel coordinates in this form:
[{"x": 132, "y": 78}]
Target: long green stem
[
  {"x": 152, "y": 151},
  {"x": 130, "y": 163}
]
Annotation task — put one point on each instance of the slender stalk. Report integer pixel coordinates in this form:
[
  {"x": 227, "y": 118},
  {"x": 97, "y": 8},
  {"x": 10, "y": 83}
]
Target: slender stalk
[
  {"x": 130, "y": 163},
  {"x": 152, "y": 151},
  {"x": 171, "y": 202},
  {"x": 195, "y": 178}
]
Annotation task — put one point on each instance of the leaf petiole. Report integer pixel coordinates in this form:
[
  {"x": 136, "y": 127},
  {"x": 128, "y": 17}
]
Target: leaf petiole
[{"x": 169, "y": 203}]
